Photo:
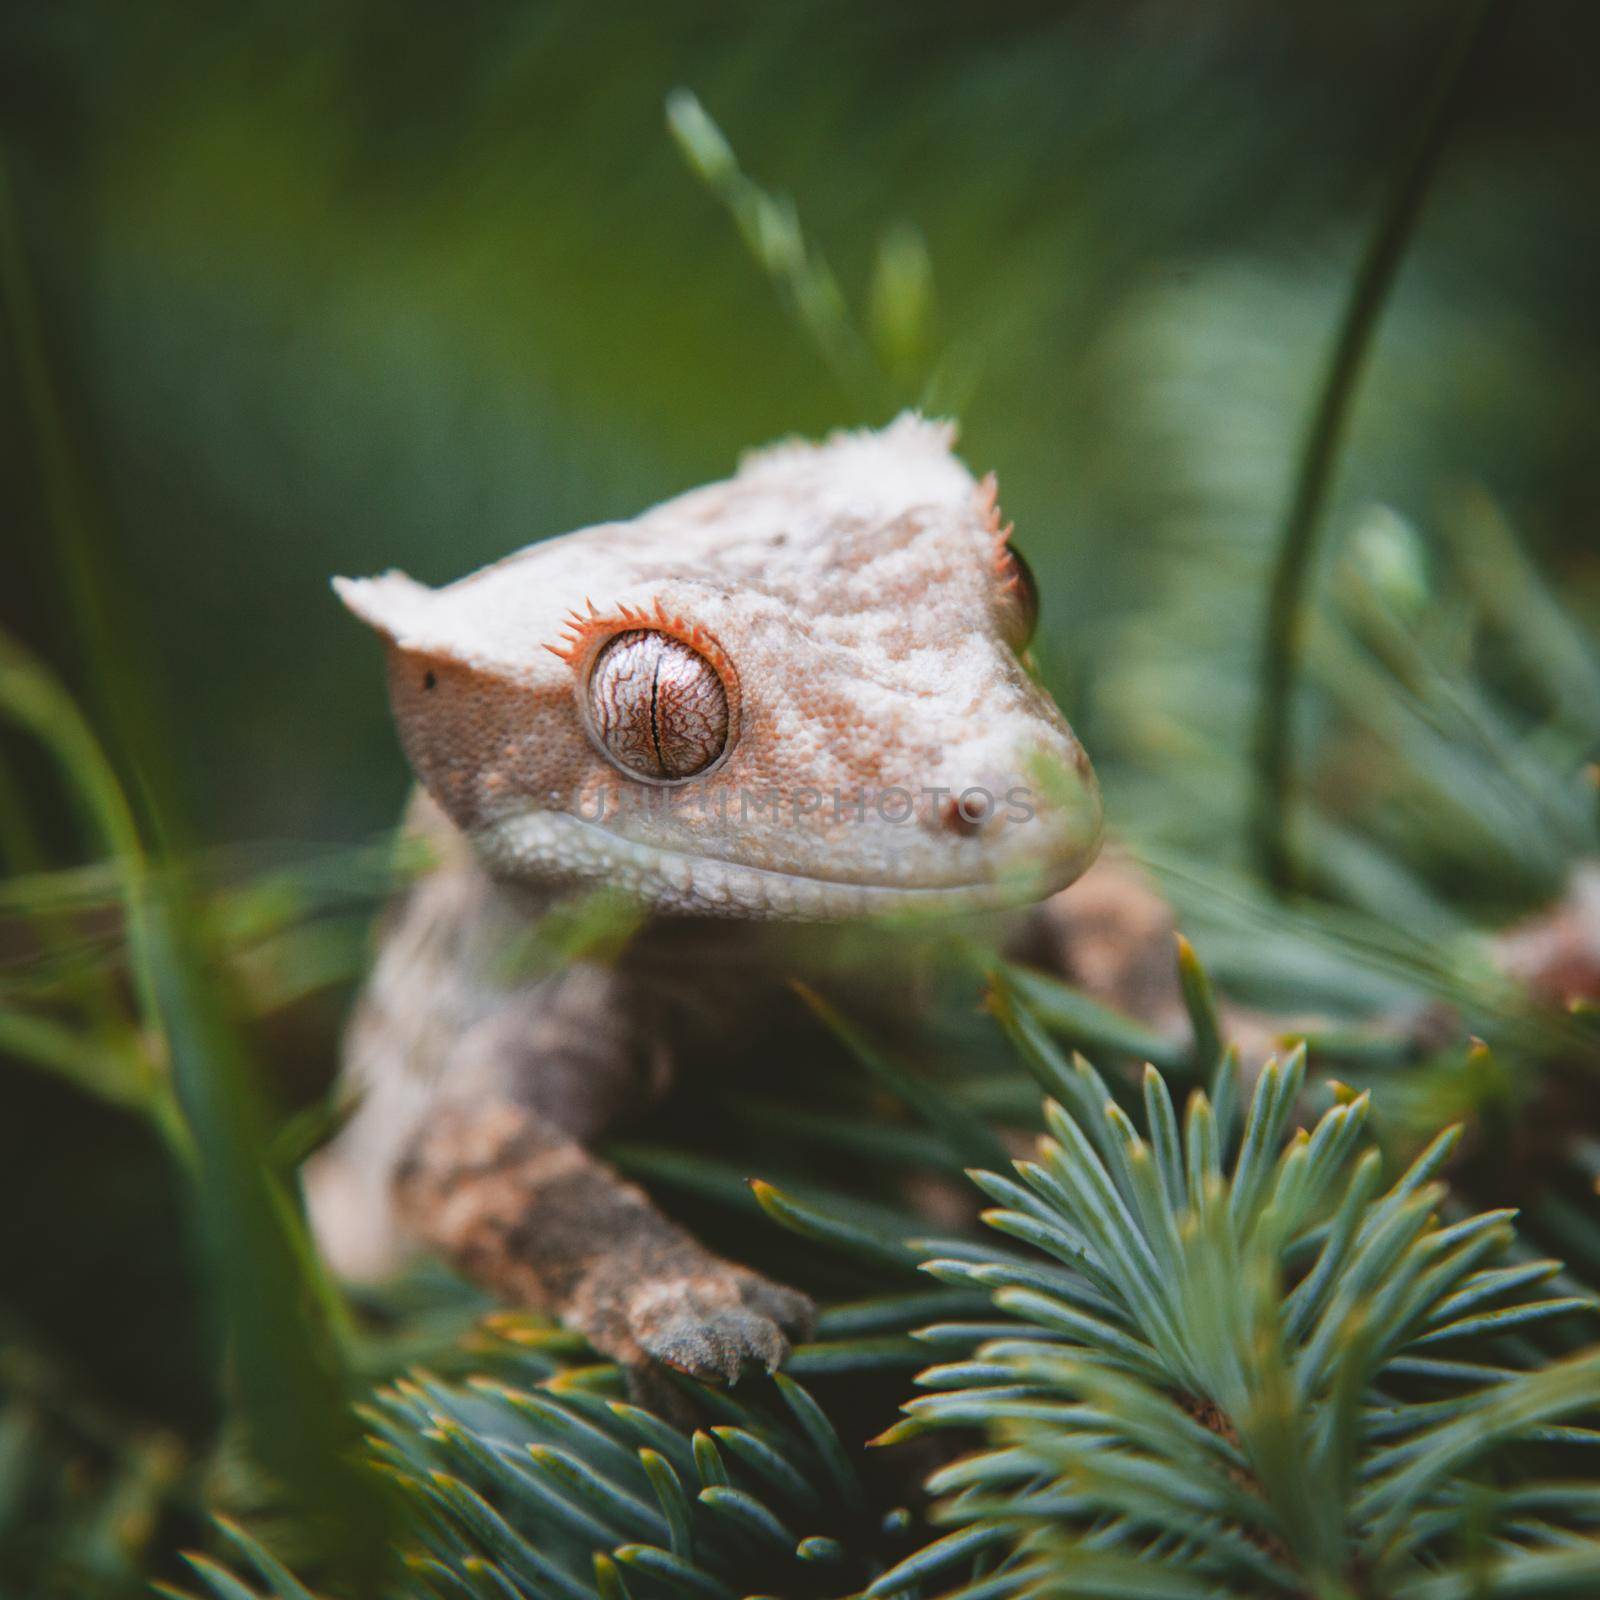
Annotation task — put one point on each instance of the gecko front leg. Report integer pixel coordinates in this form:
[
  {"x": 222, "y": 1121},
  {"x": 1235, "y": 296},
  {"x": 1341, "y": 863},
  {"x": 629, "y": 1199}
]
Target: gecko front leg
[
  {"x": 521, "y": 1207},
  {"x": 481, "y": 1090}
]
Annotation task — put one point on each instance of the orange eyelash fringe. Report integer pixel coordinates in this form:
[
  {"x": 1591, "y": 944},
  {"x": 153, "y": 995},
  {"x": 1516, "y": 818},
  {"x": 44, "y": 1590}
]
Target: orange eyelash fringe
[
  {"x": 582, "y": 628},
  {"x": 989, "y": 509}
]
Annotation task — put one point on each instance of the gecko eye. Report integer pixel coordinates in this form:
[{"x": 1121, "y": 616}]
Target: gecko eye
[
  {"x": 1019, "y": 600},
  {"x": 657, "y": 707}
]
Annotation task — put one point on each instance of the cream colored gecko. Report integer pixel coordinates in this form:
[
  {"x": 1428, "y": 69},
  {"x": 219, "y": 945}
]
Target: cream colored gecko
[{"x": 797, "y": 694}]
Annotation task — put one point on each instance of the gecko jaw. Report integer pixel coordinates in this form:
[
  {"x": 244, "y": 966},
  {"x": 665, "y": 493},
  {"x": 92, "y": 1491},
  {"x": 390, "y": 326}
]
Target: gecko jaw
[{"x": 560, "y": 847}]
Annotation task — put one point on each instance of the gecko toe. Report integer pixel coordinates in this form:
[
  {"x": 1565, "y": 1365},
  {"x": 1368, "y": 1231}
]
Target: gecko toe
[
  {"x": 691, "y": 1344},
  {"x": 793, "y": 1312},
  {"x": 759, "y": 1338},
  {"x": 676, "y": 1322}
]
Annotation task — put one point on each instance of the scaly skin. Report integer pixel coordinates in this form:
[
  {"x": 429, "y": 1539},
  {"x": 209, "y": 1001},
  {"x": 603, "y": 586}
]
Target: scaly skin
[{"x": 862, "y": 615}]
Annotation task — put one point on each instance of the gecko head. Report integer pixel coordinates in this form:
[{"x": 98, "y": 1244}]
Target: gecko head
[{"x": 801, "y": 692}]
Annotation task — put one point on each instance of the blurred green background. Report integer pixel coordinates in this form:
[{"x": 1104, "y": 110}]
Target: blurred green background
[
  {"x": 326, "y": 288},
  {"x": 331, "y": 288}
]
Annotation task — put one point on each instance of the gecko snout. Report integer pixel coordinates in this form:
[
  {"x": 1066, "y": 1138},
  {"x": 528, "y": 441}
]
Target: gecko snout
[{"x": 1045, "y": 821}]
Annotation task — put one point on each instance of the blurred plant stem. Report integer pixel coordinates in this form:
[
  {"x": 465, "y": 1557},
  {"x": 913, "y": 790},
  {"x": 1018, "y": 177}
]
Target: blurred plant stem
[
  {"x": 1284, "y": 625},
  {"x": 770, "y": 228},
  {"x": 881, "y": 361}
]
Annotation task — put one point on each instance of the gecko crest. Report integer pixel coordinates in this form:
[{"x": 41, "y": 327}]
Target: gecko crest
[{"x": 582, "y": 632}]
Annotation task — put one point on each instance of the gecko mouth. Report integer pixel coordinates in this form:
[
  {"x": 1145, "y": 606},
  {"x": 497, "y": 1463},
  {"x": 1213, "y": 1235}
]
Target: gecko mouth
[{"x": 557, "y": 845}]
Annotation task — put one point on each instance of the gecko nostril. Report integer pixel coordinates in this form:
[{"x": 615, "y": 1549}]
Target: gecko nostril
[{"x": 967, "y": 814}]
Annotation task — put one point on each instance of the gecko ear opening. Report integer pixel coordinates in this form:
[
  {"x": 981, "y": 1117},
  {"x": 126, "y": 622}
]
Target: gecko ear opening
[{"x": 392, "y": 604}]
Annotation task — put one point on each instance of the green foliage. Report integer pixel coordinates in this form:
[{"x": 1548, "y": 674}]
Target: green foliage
[
  {"x": 1229, "y": 1362},
  {"x": 544, "y": 1480},
  {"x": 1253, "y": 1372}
]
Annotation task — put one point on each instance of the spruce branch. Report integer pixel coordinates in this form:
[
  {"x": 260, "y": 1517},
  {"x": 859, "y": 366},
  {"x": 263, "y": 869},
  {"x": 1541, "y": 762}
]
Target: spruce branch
[{"x": 1247, "y": 1402}]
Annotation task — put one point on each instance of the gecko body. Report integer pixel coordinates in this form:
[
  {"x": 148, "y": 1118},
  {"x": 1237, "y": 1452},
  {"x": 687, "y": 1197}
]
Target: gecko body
[{"x": 799, "y": 695}]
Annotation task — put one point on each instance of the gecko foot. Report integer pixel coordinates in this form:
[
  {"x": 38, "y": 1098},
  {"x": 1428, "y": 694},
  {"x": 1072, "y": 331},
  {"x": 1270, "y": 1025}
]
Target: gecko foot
[{"x": 711, "y": 1323}]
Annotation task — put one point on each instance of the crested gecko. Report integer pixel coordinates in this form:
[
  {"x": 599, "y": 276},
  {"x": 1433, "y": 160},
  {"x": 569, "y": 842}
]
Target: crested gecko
[{"x": 799, "y": 694}]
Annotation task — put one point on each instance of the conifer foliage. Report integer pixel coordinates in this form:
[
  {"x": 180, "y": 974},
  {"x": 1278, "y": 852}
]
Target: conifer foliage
[{"x": 1223, "y": 1358}]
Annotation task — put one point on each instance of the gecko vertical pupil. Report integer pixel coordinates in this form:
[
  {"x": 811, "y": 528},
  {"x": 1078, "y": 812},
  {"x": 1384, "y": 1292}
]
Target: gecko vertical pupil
[{"x": 657, "y": 706}]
